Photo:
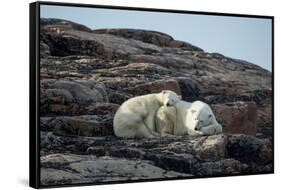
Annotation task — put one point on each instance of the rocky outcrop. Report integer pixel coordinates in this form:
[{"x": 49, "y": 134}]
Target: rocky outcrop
[
  {"x": 237, "y": 117},
  {"x": 86, "y": 125},
  {"x": 166, "y": 157},
  {"x": 87, "y": 74},
  {"x": 59, "y": 45},
  {"x": 152, "y": 37},
  {"x": 156, "y": 87},
  {"x": 65, "y": 97},
  {"x": 51, "y": 24},
  {"x": 76, "y": 169}
]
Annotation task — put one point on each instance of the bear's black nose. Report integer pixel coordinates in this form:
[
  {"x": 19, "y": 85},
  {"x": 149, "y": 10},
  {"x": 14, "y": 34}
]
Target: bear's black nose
[
  {"x": 168, "y": 104},
  {"x": 196, "y": 129}
]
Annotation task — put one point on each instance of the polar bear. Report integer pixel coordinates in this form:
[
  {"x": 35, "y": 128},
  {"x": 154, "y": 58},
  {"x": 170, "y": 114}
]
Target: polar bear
[
  {"x": 135, "y": 118},
  {"x": 201, "y": 120},
  {"x": 194, "y": 119},
  {"x": 170, "y": 120}
]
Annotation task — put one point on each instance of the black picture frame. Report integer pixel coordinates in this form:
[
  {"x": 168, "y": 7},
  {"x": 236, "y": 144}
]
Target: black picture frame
[{"x": 34, "y": 83}]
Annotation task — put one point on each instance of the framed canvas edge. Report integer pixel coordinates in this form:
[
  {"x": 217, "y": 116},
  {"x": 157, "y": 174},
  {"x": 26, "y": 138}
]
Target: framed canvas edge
[
  {"x": 34, "y": 138},
  {"x": 34, "y": 90},
  {"x": 152, "y": 9}
]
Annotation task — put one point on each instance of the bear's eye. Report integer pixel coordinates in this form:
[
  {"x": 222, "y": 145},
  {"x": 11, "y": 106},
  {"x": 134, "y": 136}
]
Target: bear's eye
[{"x": 201, "y": 121}]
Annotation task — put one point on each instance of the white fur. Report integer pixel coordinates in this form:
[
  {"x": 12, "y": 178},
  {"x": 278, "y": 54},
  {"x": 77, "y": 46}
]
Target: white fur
[
  {"x": 170, "y": 120},
  {"x": 201, "y": 120},
  {"x": 193, "y": 119},
  {"x": 136, "y": 117}
]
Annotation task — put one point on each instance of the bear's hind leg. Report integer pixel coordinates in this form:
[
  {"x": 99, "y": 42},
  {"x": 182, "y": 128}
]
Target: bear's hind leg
[
  {"x": 133, "y": 128},
  {"x": 150, "y": 122},
  {"x": 144, "y": 132}
]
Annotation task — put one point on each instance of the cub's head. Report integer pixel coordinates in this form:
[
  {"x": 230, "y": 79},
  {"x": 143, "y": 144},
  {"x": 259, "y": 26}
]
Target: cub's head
[
  {"x": 201, "y": 119},
  {"x": 170, "y": 98}
]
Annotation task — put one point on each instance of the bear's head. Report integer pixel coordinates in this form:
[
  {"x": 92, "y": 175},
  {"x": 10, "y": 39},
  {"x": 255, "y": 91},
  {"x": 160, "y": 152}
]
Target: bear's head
[
  {"x": 201, "y": 119},
  {"x": 169, "y": 98}
]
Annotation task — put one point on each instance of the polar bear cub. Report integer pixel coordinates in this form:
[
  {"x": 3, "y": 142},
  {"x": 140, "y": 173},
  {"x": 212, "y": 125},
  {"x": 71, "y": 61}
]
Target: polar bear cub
[
  {"x": 135, "y": 118},
  {"x": 193, "y": 119},
  {"x": 171, "y": 120}
]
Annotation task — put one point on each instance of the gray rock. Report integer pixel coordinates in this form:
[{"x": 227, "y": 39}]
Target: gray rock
[
  {"x": 85, "y": 125},
  {"x": 44, "y": 49},
  {"x": 196, "y": 156},
  {"x": 61, "y": 45},
  {"x": 225, "y": 166},
  {"x": 249, "y": 149},
  {"x": 146, "y": 36},
  {"x": 190, "y": 89},
  {"x": 62, "y": 24},
  {"x": 212, "y": 148},
  {"x": 64, "y": 169},
  {"x": 83, "y": 91},
  {"x": 63, "y": 97}
]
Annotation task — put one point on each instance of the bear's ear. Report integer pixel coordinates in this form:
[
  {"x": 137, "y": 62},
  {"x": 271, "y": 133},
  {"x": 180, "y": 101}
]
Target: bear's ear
[
  {"x": 180, "y": 97},
  {"x": 164, "y": 91},
  {"x": 193, "y": 111}
]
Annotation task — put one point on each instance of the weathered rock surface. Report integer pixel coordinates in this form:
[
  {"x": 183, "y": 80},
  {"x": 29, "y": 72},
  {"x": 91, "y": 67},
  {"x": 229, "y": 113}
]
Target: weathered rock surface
[
  {"x": 181, "y": 156},
  {"x": 87, "y": 74},
  {"x": 152, "y": 37},
  {"x": 84, "y": 125},
  {"x": 54, "y": 24},
  {"x": 257, "y": 150},
  {"x": 65, "y": 97},
  {"x": 72, "y": 169},
  {"x": 237, "y": 117},
  {"x": 156, "y": 87}
]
